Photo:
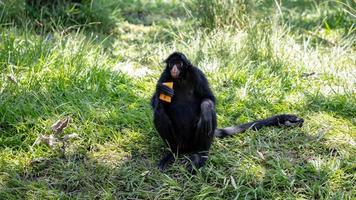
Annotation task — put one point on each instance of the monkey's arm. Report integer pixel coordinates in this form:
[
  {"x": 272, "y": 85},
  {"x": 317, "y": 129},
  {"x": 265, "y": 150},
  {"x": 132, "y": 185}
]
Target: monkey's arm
[
  {"x": 207, "y": 121},
  {"x": 202, "y": 87},
  {"x": 161, "y": 88}
]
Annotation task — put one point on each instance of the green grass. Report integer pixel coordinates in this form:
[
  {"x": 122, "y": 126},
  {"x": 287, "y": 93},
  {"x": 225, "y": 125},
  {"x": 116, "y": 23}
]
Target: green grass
[{"x": 97, "y": 62}]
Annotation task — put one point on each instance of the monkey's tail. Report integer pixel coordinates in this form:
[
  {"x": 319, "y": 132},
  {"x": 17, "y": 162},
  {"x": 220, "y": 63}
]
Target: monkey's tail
[{"x": 276, "y": 120}]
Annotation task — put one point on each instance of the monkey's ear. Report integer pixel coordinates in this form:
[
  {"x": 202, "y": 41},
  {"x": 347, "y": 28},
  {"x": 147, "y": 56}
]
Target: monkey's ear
[
  {"x": 185, "y": 60},
  {"x": 165, "y": 61},
  {"x": 170, "y": 57}
]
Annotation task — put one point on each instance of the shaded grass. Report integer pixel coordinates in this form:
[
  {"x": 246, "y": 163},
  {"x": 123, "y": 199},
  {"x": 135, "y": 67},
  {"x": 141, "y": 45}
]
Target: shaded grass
[
  {"x": 61, "y": 15},
  {"x": 255, "y": 69}
]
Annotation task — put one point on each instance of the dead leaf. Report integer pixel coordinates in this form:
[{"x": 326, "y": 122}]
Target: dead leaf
[
  {"x": 145, "y": 173},
  {"x": 233, "y": 182},
  {"x": 309, "y": 74},
  {"x": 69, "y": 136},
  {"x": 261, "y": 155},
  {"x": 54, "y": 140},
  {"x": 39, "y": 160},
  {"x": 50, "y": 140},
  {"x": 60, "y": 125},
  {"x": 12, "y": 79}
]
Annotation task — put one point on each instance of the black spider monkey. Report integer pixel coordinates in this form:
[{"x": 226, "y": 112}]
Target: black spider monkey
[{"x": 188, "y": 123}]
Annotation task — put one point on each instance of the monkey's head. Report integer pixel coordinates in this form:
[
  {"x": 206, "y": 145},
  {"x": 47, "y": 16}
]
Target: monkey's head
[{"x": 177, "y": 64}]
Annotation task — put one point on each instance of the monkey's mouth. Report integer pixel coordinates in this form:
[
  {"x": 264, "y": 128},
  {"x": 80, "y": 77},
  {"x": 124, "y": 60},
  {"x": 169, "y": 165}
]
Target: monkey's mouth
[{"x": 175, "y": 74}]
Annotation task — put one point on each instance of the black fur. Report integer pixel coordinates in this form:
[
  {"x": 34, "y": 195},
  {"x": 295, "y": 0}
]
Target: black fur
[
  {"x": 188, "y": 124},
  {"x": 276, "y": 120},
  {"x": 165, "y": 90}
]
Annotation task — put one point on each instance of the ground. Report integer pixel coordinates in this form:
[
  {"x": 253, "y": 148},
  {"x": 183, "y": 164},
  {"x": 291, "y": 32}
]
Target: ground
[{"x": 97, "y": 62}]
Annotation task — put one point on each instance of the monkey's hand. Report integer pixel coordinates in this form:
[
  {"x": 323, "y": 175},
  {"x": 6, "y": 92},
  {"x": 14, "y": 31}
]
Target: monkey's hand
[
  {"x": 161, "y": 88},
  {"x": 205, "y": 123}
]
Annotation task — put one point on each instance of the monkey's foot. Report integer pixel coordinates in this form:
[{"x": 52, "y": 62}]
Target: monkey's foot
[
  {"x": 165, "y": 161},
  {"x": 196, "y": 161}
]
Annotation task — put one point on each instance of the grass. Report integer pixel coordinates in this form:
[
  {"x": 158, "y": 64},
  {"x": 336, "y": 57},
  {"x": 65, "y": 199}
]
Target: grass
[{"x": 97, "y": 63}]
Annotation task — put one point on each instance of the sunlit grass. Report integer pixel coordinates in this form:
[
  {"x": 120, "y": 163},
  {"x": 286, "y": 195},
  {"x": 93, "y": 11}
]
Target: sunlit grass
[{"x": 98, "y": 63}]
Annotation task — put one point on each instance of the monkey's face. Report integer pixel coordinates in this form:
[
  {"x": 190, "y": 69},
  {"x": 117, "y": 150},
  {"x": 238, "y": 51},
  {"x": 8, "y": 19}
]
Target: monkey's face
[
  {"x": 175, "y": 68},
  {"x": 177, "y": 64}
]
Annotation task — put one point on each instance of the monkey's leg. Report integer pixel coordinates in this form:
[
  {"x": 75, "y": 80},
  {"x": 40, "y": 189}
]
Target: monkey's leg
[
  {"x": 164, "y": 128},
  {"x": 203, "y": 136}
]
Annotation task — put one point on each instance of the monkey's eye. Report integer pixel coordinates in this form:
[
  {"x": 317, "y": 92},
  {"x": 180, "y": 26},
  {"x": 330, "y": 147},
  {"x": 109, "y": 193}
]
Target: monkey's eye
[{"x": 177, "y": 64}]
